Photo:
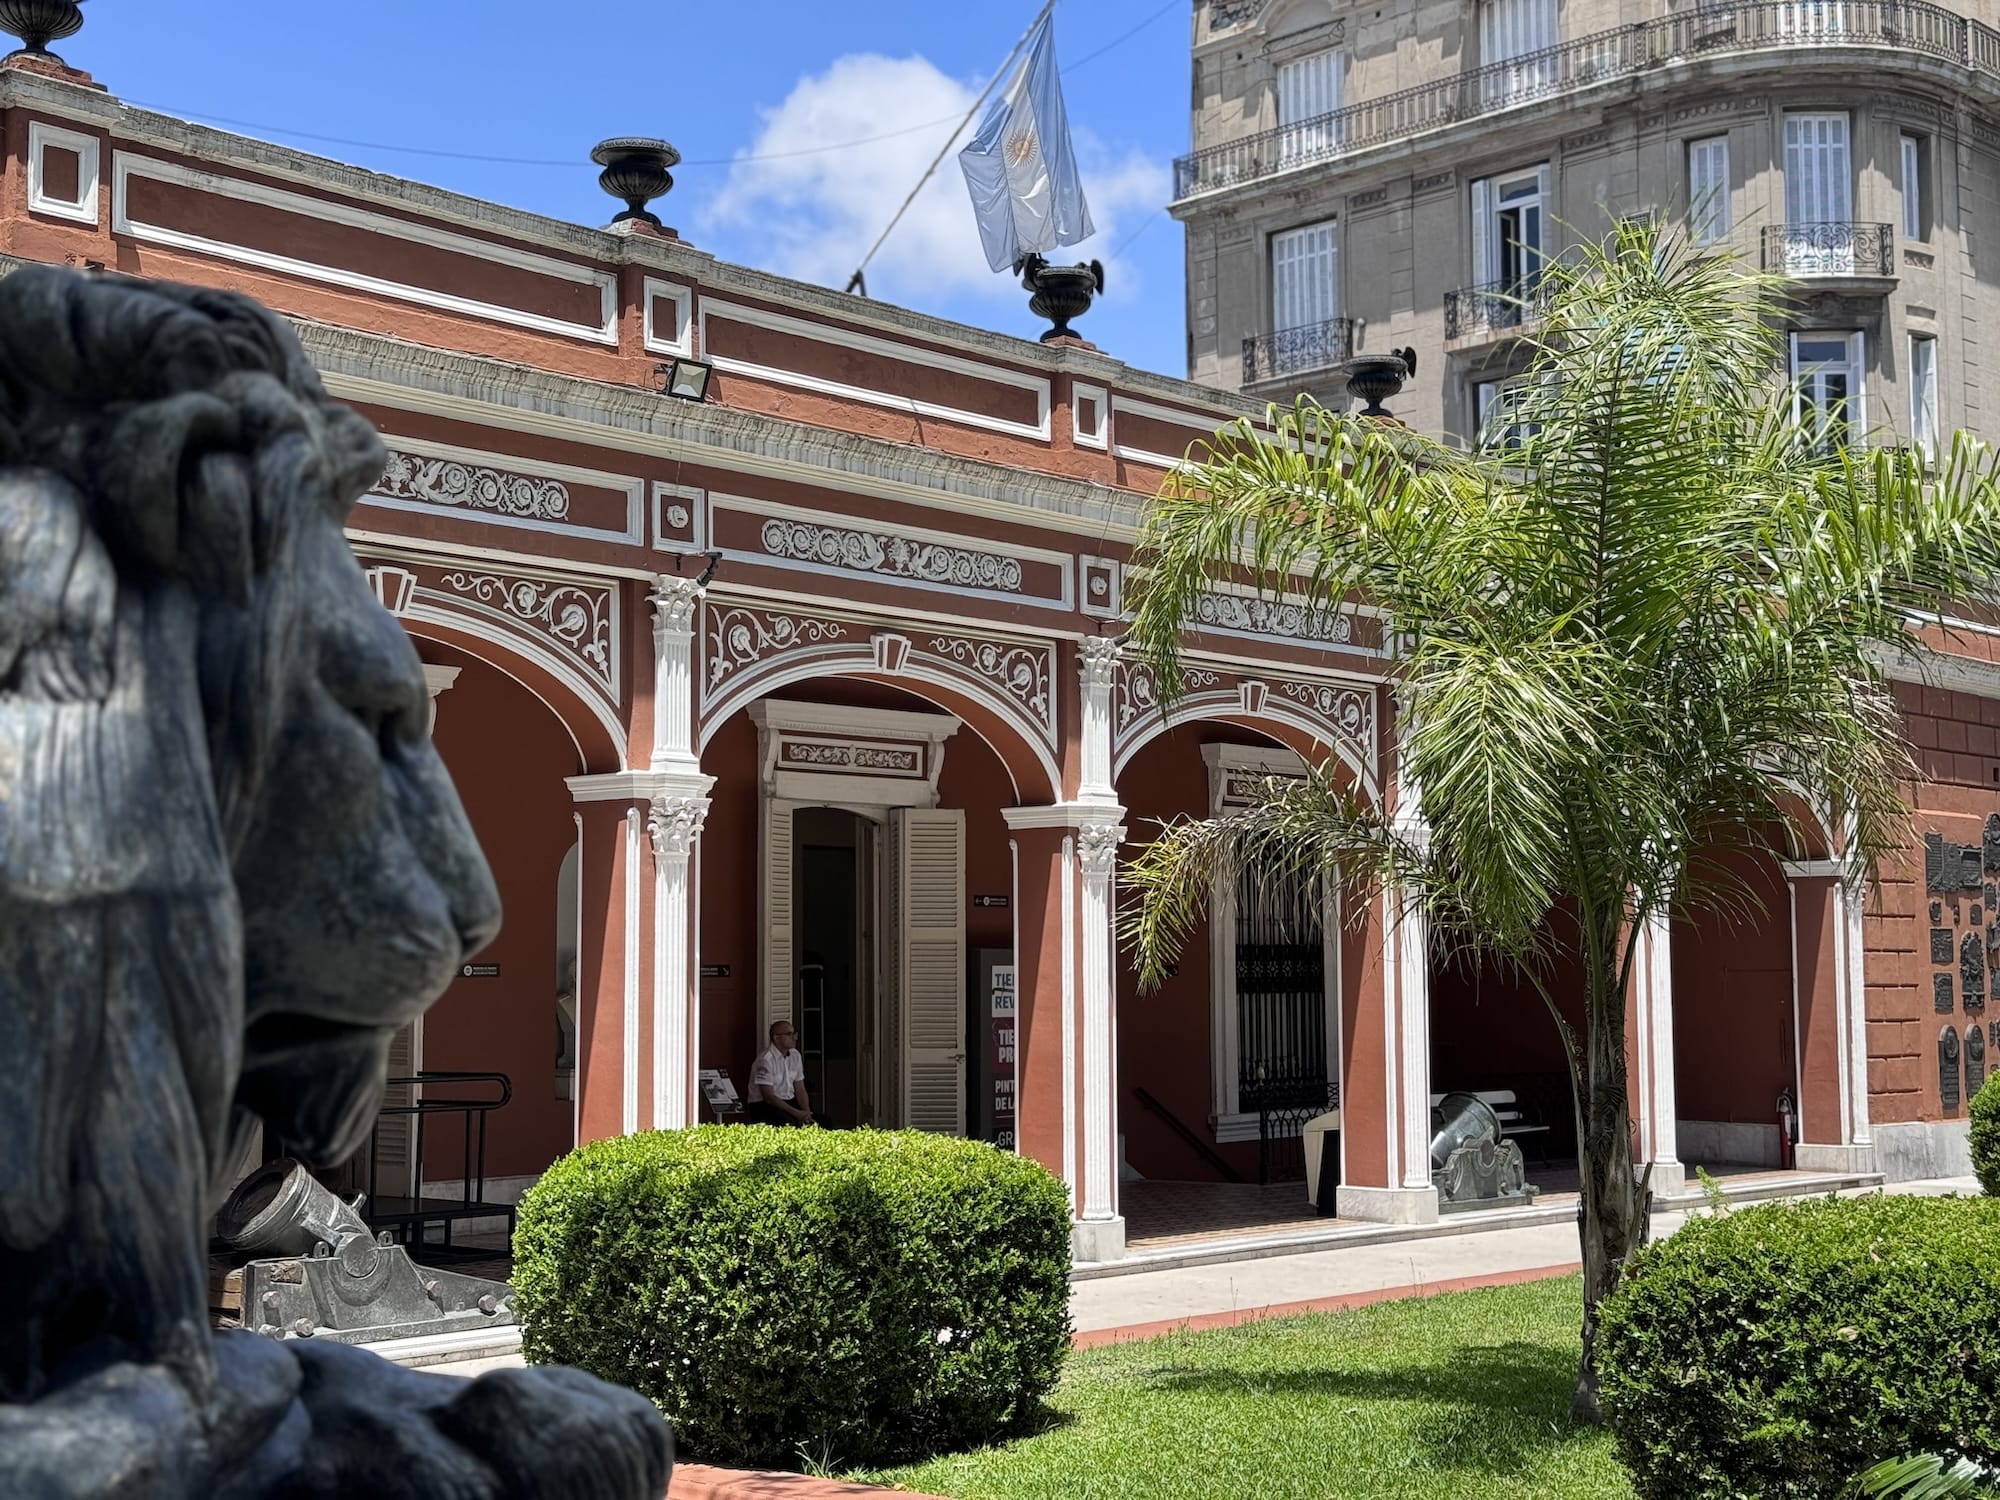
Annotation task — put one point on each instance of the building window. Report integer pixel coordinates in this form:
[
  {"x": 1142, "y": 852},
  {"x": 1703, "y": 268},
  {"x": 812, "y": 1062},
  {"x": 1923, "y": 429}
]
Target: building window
[
  {"x": 1508, "y": 251},
  {"x": 1496, "y": 406},
  {"x": 1914, "y": 217},
  {"x": 1924, "y": 425},
  {"x": 1827, "y": 379},
  {"x": 1309, "y": 90},
  {"x": 1305, "y": 285},
  {"x": 1517, "y": 40},
  {"x": 1708, "y": 189},
  {"x": 1819, "y": 196},
  {"x": 1275, "y": 997}
]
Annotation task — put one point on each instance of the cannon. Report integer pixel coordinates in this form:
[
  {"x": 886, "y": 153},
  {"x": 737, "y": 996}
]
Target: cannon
[{"x": 1472, "y": 1166}]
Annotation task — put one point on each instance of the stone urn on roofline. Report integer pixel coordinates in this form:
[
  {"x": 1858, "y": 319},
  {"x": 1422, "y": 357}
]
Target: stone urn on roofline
[{"x": 1060, "y": 292}]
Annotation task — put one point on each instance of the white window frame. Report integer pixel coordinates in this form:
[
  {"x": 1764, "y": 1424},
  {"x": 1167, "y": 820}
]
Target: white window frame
[
  {"x": 1855, "y": 368},
  {"x": 1309, "y": 89},
  {"x": 1816, "y": 192},
  {"x": 1493, "y": 200},
  {"x": 1313, "y": 301},
  {"x": 1230, "y": 1121},
  {"x": 1522, "y": 33},
  {"x": 1709, "y": 220},
  {"x": 1926, "y": 430},
  {"x": 1486, "y": 395},
  {"x": 1912, "y": 148}
]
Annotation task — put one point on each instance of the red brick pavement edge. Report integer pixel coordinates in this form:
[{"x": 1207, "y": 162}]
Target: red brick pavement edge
[
  {"x": 1092, "y": 1338},
  {"x": 701, "y": 1482}
]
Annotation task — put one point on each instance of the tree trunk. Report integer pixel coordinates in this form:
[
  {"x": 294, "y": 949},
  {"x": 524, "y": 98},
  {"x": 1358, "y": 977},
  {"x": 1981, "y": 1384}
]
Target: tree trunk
[{"x": 1612, "y": 1217}]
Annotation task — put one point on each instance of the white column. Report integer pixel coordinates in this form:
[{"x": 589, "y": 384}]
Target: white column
[
  {"x": 675, "y": 824},
  {"x": 1097, "y": 665},
  {"x": 676, "y": 602},
  {"x": 1853, "y": 899},
  {"x": 1413, "y": 985},
  {"x": 1653, "y": 984},
  {"x": 678, "y": 806},
  {"x": 437, "y": 680},
  {"x": 1102, "y": 1229}
]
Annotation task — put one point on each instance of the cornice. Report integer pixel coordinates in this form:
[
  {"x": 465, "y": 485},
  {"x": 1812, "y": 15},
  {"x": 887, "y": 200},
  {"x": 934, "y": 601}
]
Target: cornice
[{"x": 370, "y": 367}]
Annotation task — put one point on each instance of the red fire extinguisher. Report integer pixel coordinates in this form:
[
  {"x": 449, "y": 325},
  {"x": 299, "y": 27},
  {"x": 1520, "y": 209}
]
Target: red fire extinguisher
[{"x": 1788, "y": 1128}]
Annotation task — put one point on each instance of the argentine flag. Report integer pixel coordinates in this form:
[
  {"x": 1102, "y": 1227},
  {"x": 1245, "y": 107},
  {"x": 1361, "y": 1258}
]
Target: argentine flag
[{"x": 1026, "y": 192}]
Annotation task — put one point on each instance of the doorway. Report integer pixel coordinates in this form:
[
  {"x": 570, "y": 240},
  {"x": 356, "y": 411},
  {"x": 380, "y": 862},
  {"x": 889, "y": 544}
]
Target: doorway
[{"x": 833, "y": 897}]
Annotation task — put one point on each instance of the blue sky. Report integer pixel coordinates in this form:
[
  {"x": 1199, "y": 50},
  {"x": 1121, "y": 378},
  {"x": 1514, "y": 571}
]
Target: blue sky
[{"x": 724, "y": 82}]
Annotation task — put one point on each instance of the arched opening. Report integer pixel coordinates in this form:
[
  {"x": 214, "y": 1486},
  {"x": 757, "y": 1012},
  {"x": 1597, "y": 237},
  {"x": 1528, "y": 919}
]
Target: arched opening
[
  {"x": 509, "y": 754},
  {"x": 856, "y": 876}
]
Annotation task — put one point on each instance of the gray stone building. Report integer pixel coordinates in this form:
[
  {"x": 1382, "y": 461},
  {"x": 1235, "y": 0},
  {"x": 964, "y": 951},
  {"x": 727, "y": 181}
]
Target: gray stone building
[{"x": 1397, "y": 172}]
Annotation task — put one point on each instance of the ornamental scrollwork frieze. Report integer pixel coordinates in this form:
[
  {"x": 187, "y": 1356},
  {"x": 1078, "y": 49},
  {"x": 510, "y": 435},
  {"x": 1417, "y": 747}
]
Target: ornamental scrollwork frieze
[
  {"x": 739, "y": 638},
  {"x": 447, "y": 481},
  {"x": 577, "y": 618},
  {"x": 1136, "y": 694},
  {"x": 1277, "y": 617},
  {"x": 1348, "y": 711},
  {"x": 891, "y": 555},
  {"x": 1023, "y": 673}
]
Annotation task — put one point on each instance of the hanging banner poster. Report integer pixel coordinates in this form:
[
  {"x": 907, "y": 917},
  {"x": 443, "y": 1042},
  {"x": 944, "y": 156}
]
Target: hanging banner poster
[{"x": 1003, "y": 1056}]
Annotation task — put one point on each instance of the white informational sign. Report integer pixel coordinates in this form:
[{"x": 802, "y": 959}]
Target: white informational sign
[{"x": 720, "y": 1092}]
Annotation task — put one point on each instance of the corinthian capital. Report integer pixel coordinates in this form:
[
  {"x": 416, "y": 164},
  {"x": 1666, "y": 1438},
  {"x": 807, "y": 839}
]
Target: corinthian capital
[
  {"x": 675, "y": 823},
  {"x": 674, "y": 603},
  {"x": 1097, "y": 659},
  {"x": 1097, "y": 848}
]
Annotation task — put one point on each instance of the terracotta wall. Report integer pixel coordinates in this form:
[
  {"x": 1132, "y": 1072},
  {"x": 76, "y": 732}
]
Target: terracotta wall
[
  {"x": 1955, "y": 738},
  {"x": 974, "y": 779},
  {"x": 508, "y": 754},
  {"x": 1734, "y": 1048}
]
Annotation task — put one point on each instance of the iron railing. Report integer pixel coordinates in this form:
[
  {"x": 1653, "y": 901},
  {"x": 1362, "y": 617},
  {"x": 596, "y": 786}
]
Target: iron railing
[
  {"x": 1704, "y": 30},
  {"x": 1806, "y": 250},
  {"x": 1496, "y": 307},
  {"x": 1297, "y": 351}
]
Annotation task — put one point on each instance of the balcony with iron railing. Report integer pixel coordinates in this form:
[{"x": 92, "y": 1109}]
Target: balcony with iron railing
[
  {"x": 1491, "y": 311},
  {"x": 1294, "y": 353},
  {"x": 1861, "y": 252},
  {"x": 1704, "y": 31}
]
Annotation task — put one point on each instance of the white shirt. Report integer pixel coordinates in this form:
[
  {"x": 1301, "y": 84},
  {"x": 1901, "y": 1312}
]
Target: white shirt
[{"x": 778, "y": 1071}]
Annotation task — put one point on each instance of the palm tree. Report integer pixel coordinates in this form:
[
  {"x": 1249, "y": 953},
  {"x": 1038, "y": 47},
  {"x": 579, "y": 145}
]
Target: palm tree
[{"x": 1628, "y": 638}]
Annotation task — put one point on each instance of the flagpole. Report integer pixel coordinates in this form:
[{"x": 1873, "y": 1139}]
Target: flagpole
[{"x": 855, "y": 282}]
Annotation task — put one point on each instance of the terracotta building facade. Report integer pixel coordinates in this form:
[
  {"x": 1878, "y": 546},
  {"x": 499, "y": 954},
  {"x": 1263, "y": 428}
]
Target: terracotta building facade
[{"x": 806, "y": 700}]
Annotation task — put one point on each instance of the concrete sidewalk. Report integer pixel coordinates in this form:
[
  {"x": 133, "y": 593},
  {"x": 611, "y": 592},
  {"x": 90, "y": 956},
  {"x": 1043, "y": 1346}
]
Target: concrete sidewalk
[
  {"x": 1409, "y": 1266},
  {"x": 1147, "y": 1302}
]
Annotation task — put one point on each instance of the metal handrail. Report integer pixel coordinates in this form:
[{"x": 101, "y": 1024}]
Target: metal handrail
[
  {"x": 1304, "y": 350},
  {"x": 1909, "y": 26},
  {"x": 474, "y": 1165},
  {"x": 1830, "y": 249},
  {"x": 1492, "y": 307}
]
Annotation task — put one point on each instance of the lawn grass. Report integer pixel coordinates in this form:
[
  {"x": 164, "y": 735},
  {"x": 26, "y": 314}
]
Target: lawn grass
[{"x": 1465, "y": 1394}]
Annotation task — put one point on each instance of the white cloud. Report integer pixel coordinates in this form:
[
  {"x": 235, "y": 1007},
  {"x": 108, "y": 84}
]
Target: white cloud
[{"x": 814, "y": 216}]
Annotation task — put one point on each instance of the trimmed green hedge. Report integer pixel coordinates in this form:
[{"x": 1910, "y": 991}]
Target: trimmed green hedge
[
  {"x": 1985, "y": 1115},
  {"x": 842, "y": 1297},
  {"x": 1778, "y": 1351}
]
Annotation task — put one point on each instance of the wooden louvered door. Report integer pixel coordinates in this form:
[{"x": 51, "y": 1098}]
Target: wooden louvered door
[
  {"x": 926, "y": 979},
  {"x": 397, "y": 1169},
  {"x": 777, "y": 971}
]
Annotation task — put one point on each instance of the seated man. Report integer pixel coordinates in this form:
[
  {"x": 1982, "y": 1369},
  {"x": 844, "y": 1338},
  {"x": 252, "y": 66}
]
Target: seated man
[{"x": 778, "y": 1082}]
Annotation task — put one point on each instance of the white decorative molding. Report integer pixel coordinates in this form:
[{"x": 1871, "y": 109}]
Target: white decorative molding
[
  {"x": 1348, "y": 711},
  {"x": 798, "y": 537},
  {"x": 1089, "y": 415},
  {"x": 854, "y": 757},
  {"x": 1339, "y": 714},
  {"x": 498, "y": 489},
  {"x": 961, "y": 568},
  {"x": 1103, "y": 587},
  {"x": 1097, "y": 659},
  {"x": 675, "y": 823},
  {"x": 83, "y": 207},
  {"x": 1023, "y": 673},
  {"x": 1097, "y": 855},
  {"x": 680, "y": 517},
  {"x": 126, "y": 166},
  {"x": 393, "y": 586},
  {"x": 738, "y": 637},
  {"x": 1278, "y": 619},
  {"x": 437, "y": 680},
  {"x": 629, "y": 1097},
  {"x": 447, "y": 481},
  {"x": 676, "y": 342},
  {"x": 862, "y": 343},
  {"x": 577, "y": 617},
  {"x": 1153, "y": 412}
]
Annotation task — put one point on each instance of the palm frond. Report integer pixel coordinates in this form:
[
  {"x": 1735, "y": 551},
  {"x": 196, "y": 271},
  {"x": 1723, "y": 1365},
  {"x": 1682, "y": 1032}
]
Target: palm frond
[{"x": 1928, "y": 1478}]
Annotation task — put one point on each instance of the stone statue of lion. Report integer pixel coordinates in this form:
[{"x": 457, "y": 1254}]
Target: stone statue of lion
[{"x": 231, "y": 866}]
